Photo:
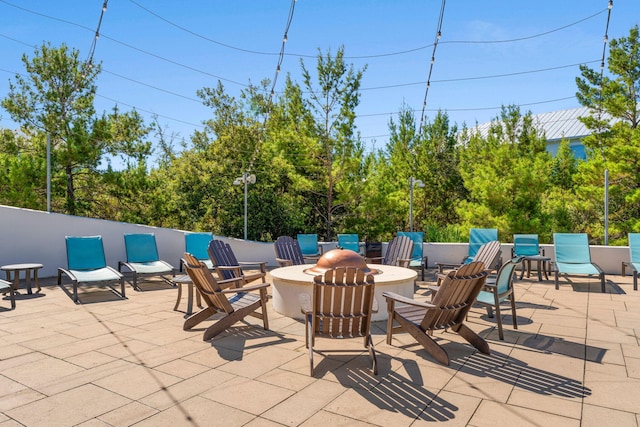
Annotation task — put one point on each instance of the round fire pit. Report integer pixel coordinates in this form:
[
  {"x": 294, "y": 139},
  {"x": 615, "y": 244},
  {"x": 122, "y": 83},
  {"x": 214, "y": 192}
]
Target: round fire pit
[
  {"x": 340, "y": 258},
  {"x": 290, "y": 282}
]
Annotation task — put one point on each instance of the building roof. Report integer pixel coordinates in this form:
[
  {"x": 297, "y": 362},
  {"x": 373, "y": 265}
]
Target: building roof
[{"x": 556, "y": 124}]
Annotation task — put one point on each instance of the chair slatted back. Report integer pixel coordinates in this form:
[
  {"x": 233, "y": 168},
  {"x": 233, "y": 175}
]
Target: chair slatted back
[
  {"x": 287, "y": 247},
  {"x": 572, "y": 248},
  {"x": 455, "y": 296},
  {"x": 85, "y": 252},
  {"x": 634, "y": 247},
  {"x": 207, "y": 284},
  {"x": 342, "y": 303},
  {"x": 222, "y": 255},
  {"x": 399, "y": 248},
  {"x": 489, "y": 255},
  {"x": 417, "y": 237}
]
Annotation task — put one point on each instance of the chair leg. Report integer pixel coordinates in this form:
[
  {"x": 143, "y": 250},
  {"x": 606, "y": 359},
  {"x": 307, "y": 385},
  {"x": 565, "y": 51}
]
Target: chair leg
[
  {"x": 198, "y": 317},
  {"x": 372, "y": 356},
  {"x": 635, "y": 280},
  {"x": 309, "y": 339},
  {"x": 513, "y": 311},
  {"x": 474, "y": 339},
  {"x": 437, "y": 352},
  {"x": 499, "y": 318}
]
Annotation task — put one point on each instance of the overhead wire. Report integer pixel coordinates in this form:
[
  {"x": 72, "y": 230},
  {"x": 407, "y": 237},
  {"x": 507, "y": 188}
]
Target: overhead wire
[
  {"x": 433, "y": 60},
  {"x": 282, "y": 54}
]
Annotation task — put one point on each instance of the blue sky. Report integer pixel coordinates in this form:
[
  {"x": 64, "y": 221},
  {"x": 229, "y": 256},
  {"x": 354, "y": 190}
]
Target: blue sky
[{"x": 156, "y": 55}]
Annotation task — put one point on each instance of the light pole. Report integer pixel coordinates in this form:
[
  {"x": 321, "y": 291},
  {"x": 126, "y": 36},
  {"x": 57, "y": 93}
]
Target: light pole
[
  {"x": 245, "y": 179},
  {"x": 412, "y": 182}
]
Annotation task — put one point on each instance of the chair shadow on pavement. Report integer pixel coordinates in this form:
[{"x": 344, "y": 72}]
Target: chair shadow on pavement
[
  {"x": 404, "y": 391},
  {"x": 520, "y": 374},
  {"x": 397, "y": 392}
]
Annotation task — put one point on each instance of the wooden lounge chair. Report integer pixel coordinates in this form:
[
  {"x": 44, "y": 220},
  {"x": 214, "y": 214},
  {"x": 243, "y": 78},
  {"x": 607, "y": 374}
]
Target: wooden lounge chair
[
  {"x": 489, "y": 255},
  {"x": 235, "y": 304},
  {"x": 143, "y": 259},
  {"x": 448, "y": 309},
  {"x": 288, "y": 252},
  {"x": 634, "y": 258},
  {"x": 499, "y": 288},
  {"x": 573, "y": 256},
  {"x": 398, "y": 253},
  {"x": 86, "y": 263},
  {"x": 227, "y": 266},
  {"x": 341, "y": 307}
]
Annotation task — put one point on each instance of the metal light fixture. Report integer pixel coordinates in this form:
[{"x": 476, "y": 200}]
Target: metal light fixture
[
  {"x": 245, "y": 179},
  {"x": 412, "y": 182}
]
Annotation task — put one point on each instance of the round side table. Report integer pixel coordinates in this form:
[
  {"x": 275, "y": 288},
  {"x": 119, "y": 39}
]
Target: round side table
[
  {"x": 542, "y": 266},
  {"x": 28, "y": 268}
]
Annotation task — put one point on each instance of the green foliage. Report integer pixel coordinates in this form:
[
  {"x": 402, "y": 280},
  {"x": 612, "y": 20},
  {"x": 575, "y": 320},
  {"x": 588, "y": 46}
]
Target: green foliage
[
  {"x": 506, "y": 174},
  {"x": 56, "y": 98},
  {"x": 614, "y": 144}
]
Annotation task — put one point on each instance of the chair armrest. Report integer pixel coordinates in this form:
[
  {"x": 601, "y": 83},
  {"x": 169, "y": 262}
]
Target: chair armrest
[
  {"x": 284, "y": 262},
  {"x": 238, "y": 281},
  {"x": 373, "y": 260},
  {"x": 405, "y": 300},
  {"x": 443, "y": 265},
  {"x": 600, "y": 270},
  {"x": 260, "y": 264},
  {"x": 246, "y": 288},
  {"x": 404, "y": 262},
  {"x": 125, "y": 264}
]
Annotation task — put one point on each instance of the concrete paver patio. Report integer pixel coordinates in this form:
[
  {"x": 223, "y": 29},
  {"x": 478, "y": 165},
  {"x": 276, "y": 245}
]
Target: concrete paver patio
[{"x": 573, "y": 361}]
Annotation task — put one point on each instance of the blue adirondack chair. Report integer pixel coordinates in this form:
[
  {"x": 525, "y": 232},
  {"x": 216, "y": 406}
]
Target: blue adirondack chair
[
  {"x": 86, "y": 263},
  {"x": 573, "y": 257}
]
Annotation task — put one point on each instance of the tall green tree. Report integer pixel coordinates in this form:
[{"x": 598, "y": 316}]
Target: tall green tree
[
  {"x": 614, "y": 144},
  {"x": 506, "y": 173},
  {"x": 56, "y": 97},
  {"x": 333, "y": 95}
]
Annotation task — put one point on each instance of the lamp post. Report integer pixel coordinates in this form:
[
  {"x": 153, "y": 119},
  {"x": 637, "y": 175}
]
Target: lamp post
[
  {"x": 412, "y": 182},
  {"x": 245, "y": 179}
]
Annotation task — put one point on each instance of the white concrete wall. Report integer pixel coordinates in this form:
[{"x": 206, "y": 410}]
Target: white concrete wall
[{"x": 35, "y": 236}]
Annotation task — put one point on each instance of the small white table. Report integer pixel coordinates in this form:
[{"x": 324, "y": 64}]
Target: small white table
[
  {"x": 290, "y": 282},
  {"x": 28, "y": 268}
]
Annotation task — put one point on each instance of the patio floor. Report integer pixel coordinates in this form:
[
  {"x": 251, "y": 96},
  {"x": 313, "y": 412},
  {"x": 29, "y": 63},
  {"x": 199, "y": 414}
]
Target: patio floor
[{"x": 574, "y": 361}]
